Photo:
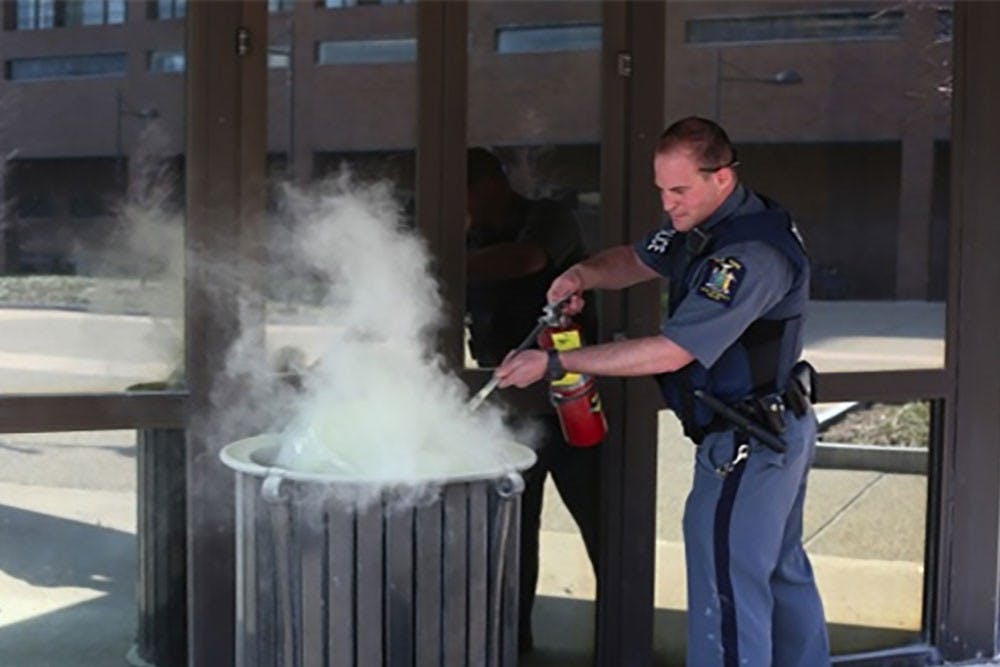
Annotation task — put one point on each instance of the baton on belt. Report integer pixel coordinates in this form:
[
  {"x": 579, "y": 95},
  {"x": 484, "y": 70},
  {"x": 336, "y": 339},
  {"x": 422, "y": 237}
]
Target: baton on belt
[{"x": 740, "y": 421}]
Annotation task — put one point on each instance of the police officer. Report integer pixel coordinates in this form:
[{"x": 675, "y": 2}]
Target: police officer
[
  {"x": 515, "y": 247},
  {"x": 725, "y": 360}
]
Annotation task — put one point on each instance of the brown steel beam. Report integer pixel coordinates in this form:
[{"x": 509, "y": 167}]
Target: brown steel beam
[
  {"x": 964, "y": 619},
  {"x": 893, "y": 386},
  {"x": 226, "y": 112},
  {"x": 440, "y": 170},
  {"x": 632, "y": 82},
  {"x": 34, "y": 413}
]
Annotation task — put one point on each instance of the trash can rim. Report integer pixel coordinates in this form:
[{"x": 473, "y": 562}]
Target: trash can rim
[{"x": 245, "y": 456}]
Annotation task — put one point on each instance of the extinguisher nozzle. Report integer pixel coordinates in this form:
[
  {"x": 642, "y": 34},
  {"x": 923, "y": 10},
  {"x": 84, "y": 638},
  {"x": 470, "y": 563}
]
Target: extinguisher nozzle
[{"x": 483, "y": 393}]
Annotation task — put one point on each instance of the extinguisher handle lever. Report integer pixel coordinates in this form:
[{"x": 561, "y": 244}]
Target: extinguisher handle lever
[{"x": 552, "y": 313}]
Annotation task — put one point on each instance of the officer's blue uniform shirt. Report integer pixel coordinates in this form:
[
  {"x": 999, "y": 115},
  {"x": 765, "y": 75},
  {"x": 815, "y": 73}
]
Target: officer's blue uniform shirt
[{"x": 731, "y": 288}]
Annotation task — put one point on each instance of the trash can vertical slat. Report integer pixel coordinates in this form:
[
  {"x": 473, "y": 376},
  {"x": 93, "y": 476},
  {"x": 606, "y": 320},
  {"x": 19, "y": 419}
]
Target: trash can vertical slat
[
  {"x": 286, "y": 583},
  {"x": 427, "y": 575},
  {"x": 311, "y": 539},
  {"x": 478, "y": 577},
  {"x": 399, "y": 587},
  {"x": 511, "y": 583},
  {"x": 368, "y": 596},
  {"x": 340, "y": 584},
  {"x": 454, "y": 572},
  {"x": 247, "y": 490},
  {"x": 265, "y": 584}
]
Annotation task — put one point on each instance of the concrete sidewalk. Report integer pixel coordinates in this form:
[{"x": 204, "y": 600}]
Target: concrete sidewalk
[
  {"x": 67, "y": 524},
  {"x": 864, "y": 532}
]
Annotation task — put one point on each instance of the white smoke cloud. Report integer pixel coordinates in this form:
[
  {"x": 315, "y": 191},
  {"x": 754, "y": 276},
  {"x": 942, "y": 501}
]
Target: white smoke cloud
[{"x": 378, "y": 405}]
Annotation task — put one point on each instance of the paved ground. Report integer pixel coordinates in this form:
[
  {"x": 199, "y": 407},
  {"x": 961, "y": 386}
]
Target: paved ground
[{"x": 67, "y": 501}]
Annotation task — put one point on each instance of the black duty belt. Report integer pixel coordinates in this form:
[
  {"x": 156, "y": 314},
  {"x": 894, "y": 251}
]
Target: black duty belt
[
  {"x": 729, "y": 417},
  {"x": 762, "y": 416}
]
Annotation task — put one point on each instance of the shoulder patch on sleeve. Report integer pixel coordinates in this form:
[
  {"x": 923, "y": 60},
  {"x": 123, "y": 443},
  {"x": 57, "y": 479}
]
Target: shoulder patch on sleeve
[{"x": 720, "y": 279}]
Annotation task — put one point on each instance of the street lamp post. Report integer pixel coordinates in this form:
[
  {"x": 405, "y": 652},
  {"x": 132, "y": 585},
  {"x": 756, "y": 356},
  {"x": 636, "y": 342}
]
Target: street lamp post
[
  {"x": 122, "y": 109},
  {"x": 785, "y": 77}
]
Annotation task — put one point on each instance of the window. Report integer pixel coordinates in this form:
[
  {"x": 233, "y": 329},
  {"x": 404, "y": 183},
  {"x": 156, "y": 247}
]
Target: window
[
  {"x": 35, "y": 14},
  {"x": 945, "y": 24},
  {"x": 93, "y": 12},
  {"x": 167, "y": 9},
  {"x": 812, "y": 26},
  {"x": 166, "y": 62},
  {"x": 540, "y": 39},
  {"x": 340, "y": 4},
  {"x": 367, "y": 51},
  {"x": 278, "y": 56},
  {"x": 66, "y": 67},
  {"x": 280, "y": 5},
  {"x": 41, "y": 14},
  {"x": 174, "y": 61}
]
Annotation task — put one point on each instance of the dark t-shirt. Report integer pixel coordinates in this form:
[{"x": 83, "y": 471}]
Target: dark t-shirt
[{"x": 500, "y": 313}]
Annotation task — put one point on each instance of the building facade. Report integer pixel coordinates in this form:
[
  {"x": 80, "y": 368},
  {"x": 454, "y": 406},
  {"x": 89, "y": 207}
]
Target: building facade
[{"x": 857, "y": 94}]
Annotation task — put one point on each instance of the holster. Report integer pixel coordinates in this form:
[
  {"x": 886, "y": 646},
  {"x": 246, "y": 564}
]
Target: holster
[{"x": 801, "y": 391}]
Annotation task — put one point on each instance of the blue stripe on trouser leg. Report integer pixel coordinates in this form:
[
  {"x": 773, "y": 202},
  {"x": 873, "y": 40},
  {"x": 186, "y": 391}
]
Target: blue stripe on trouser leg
[
  {"x": 727, "y": 608},
  {"x": 779, "y": 617}
]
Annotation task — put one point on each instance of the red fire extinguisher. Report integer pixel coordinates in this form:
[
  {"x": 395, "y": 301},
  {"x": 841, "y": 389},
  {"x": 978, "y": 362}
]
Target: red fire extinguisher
[{"x": 574, "y": 395}]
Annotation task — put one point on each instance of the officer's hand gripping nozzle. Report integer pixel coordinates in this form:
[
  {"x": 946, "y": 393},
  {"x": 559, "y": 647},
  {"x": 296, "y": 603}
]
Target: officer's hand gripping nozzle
[{"x": 551, "y": 315}]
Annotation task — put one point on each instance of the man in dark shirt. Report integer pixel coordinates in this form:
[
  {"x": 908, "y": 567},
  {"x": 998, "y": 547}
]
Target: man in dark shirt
[{"x": 516, "y": 246}]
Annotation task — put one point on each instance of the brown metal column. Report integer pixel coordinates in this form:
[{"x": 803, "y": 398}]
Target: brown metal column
[
  {"x": 302, "y": 67},
  {"x": 632, "y": 116},
  {"x": 967, "y": 586},
  {"x": 226, "y": 110},
  {"x": 440, "y": 178},
  {"x": 916, "y": 169}
]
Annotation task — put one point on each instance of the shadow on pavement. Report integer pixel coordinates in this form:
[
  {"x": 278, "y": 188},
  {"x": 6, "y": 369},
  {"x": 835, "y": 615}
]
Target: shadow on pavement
[
  {"x": 95, "y": 633},
  {"x": 37, "y": 447},
  {"x": 51, "y": 553}
]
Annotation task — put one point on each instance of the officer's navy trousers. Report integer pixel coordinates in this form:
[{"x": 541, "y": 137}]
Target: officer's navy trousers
[{"x": 752, "y": 598}]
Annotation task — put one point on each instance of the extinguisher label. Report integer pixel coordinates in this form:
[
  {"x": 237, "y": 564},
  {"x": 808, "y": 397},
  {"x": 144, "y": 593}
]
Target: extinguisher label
[{"x": 562, "y": 341}]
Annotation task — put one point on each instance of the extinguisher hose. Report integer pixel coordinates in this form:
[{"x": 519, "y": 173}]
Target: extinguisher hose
[{"x": 549, "y": 317}]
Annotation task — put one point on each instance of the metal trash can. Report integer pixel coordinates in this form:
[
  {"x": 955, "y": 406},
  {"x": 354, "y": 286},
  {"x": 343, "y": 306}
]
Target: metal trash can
[
  {"x": 334, "y": 583},
  {"x": 161, "y": 636}
]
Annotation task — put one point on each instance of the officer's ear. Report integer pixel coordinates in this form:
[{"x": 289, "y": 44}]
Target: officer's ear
[{"x": 724, "y": 177}]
